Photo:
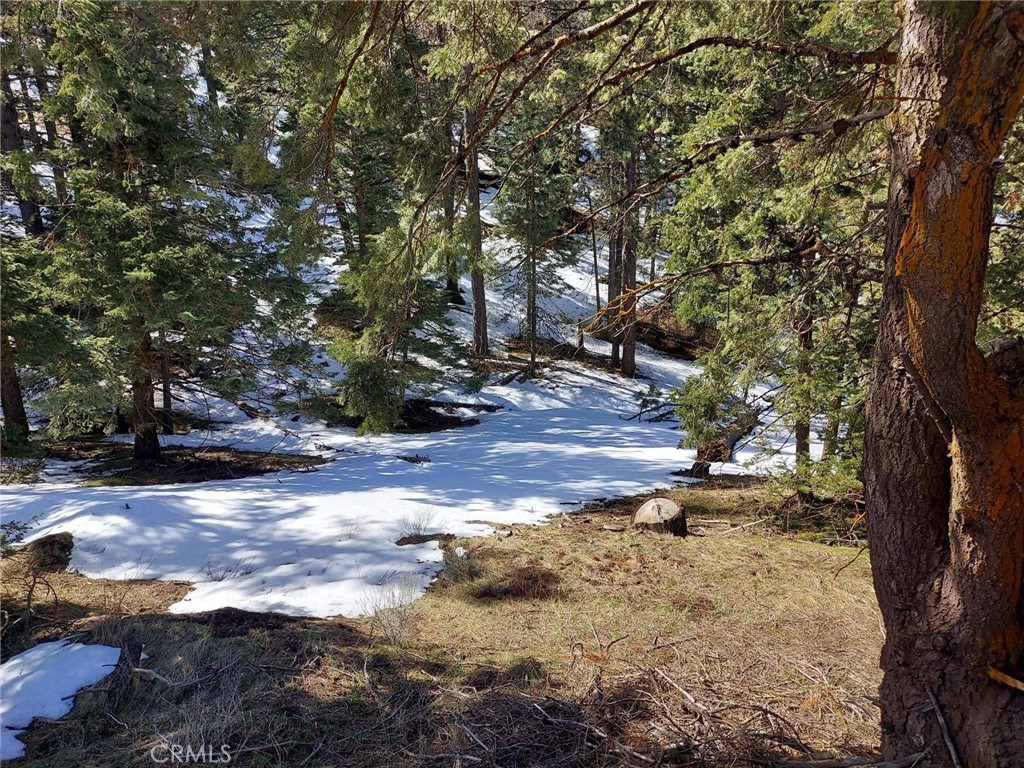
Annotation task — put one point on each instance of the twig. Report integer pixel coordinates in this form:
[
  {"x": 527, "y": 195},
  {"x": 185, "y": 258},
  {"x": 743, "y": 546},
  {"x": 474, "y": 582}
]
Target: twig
[
  {"x": 946, "y": 737},
  {"x": 369, "y": 683},
  {"x": 692, "y": 704},
  {"x": 745, "y": 525},
  {"x": 473, "y": 736},
  {"x": 1005, "y": 679},
  {"x": 847, "y": 762},
  {"x": 166, "y": 681},
  {"x": 618, "y": 746},
  {"x": 860, "y": 552}
]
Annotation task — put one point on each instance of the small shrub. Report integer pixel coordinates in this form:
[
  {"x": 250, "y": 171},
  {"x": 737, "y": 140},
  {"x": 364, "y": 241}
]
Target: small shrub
[
  {"x": 216, "y": 572},
  {"x": 372, "y": 391},
  {"x": 419, "y": 523},
  {"x": 391, "y": 607},
  {"x": 12, "y": 532},
  {"x": 459, "y": 566},
  {"x": 823, "y": 501}
]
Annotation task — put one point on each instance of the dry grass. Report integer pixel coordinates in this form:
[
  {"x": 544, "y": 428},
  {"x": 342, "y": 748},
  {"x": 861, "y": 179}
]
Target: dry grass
[
  {"x": 563, "y": 645},
  {"x": 40, "y": 606},
  {"x": 730, "y": 642}
]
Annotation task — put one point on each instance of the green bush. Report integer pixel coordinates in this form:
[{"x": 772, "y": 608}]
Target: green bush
[{"x": 372, "y": 391}]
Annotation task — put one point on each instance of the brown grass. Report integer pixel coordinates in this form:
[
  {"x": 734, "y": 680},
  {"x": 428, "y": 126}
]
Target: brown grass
[{"x": 561, "y": 645}]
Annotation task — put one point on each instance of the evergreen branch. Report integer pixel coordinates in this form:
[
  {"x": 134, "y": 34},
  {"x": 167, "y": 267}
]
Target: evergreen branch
[
  {"x": 642, "y": 69},
  {"x": 547, "y": 50},
  {"x": 339, "y": 89},
  {"x": 840, "y": 127},
  {"x": 701, "y": 157}
]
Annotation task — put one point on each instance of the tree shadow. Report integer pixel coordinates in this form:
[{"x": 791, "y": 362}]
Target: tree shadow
[
  {"x": 526, "y": 583},
  {"x": 277, "y": 690}
]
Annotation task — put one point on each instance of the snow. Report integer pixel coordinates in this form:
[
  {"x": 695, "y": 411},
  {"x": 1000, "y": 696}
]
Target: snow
[
  {"x": 322, "y": 542},
  {"x": 42, "y": 682}
]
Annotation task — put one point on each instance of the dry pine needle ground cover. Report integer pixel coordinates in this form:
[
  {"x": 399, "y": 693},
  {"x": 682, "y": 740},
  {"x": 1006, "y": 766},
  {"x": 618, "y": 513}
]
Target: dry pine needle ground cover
[{"x": 561, "y": 645}]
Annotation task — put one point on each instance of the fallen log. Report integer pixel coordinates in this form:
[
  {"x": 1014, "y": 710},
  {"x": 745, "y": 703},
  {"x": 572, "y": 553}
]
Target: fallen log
[
  {"x": 662, "y": 331},
  {"x": 451, "y": 406},
  {"x": 722, "y": 448}
]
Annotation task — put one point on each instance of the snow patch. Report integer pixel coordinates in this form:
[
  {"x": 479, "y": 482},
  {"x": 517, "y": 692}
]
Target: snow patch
[{"x": 42, "y": 682}]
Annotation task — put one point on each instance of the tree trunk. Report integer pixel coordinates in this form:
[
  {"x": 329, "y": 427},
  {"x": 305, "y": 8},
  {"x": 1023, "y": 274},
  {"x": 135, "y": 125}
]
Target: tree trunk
[
  {"x": 481, "y": 345},
  {"x": 10, "y": 389},
  {"x": 144, "y": 417},
  {"x": 345, "y": 224},
  {"x": 614, "y": 287},
  {"x": 167, "y": 412},
  {"x": 452, "y": 258},
  {"x": 593, "y": 243},
  {"x": 207, "y": 72},
  {"x": 30, "y": 116},
  {"x": 11, "y": 141},
  {"x": 531, "y": 308},
  {"x": 805, "y": 344},
  {"x": 830, "y": 439},
  {"x": 629, "y": 245},
  {"x": 944, "y": 441},
  {"x": 52, "y": 139},
  {"x": 359, "y": 205}
]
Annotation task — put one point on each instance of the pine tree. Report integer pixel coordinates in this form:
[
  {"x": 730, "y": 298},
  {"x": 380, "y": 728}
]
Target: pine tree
[{"x": 153, "y": 242}]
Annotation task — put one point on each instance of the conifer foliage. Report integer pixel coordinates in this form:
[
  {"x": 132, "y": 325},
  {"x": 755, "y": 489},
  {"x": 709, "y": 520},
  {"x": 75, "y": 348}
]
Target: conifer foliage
[{"x": 746, "y": 177}]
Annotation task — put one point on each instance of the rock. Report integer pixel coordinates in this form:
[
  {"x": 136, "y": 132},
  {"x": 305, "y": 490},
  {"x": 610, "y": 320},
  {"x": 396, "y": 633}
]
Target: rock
[
  {"x": 502, "y": 533},
  {"x": 614, "y": 528},
  {"x": 51, "y": 554},
  {"x": 660, "y": 515}
]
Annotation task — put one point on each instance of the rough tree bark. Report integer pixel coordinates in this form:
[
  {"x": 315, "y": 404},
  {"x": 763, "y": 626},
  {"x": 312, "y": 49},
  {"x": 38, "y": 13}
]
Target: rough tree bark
[
  {"x": 531, "y": 309},
  {"x": 206, "y": 70},
  {"x": 144, "y": 416},
  {"x": 167, "y": 411},
  {"x": 10, "y": 389},
  {"x": 593, "y": 244},
  {"x": 452, "y": 259},
  {"x": 944, "y": 454},
  {"x": 615, "y": 243},
  {"x": 481, "y": 345}
]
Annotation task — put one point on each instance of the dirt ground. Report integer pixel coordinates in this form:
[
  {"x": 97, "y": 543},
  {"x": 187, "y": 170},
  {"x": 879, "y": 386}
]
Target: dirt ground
[{"x": 569, "y": 644}]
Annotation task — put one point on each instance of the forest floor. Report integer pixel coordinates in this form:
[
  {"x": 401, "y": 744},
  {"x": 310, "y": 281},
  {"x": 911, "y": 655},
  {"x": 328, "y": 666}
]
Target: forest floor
[
  {"x": 567, "y": 644},
  {"x": 100, "y": 463}
]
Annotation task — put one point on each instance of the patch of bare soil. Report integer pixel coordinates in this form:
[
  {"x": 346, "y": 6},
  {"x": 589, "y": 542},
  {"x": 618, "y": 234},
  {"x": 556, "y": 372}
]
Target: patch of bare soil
[
  {"x": 40, "y": 605},
  {"x": 111, "y": 463}
]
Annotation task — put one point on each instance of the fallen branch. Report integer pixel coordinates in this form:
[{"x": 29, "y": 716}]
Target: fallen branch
[
  {"x": 693, "y": 705},
  {"x": 1005, "y": 679},
  {"x": 166, "y": 681},
  {"x": 616, "y": 745},
  {"x": 745, "y": 525},
  {"x": 848, "y": 762},
  {"x": 505, "y": 380}
]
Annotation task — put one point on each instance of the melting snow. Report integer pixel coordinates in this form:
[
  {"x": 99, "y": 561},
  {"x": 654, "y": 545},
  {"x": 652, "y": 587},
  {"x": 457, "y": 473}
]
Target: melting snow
[
  {"x": 322, "y": 542},
  {"x": 42, "y": 682}
]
